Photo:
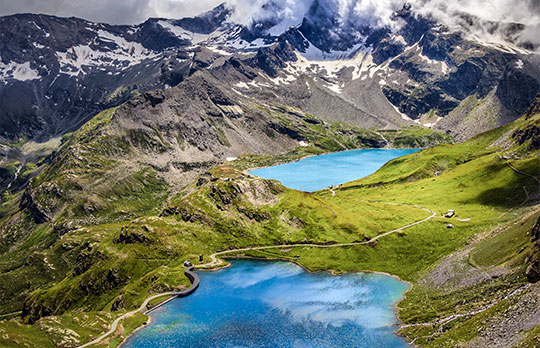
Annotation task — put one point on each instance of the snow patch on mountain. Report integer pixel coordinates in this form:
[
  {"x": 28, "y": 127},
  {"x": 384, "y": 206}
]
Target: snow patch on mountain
[
  {"x": 133, "y": 49},
  {"x": 444, "y": 68},
  {"x": 316, "y": 61},
  {"x": 17, "y": 71},
  {"x": 126, "y": 54},
  {"x": 219, "y": 51},
  {"x": 38, "y": 45},
  {"x": 432, "y": 124},
  {"x": 241, "y": 44},
  {"x": 287, "y": 80},
  {"x": 335, "y": 87},
  {"x": 403, "y": 116},
  {"x": 242, "y": 85},
  {"x": 181, "y": 33},
  {"x": 503, "y": 47}
]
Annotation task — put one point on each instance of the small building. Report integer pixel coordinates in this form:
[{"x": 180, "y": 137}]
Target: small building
[
  {"x": 450, "y": 213},
  {"x": 449, "y": 226},
  {"x": 187, "y": 264}
]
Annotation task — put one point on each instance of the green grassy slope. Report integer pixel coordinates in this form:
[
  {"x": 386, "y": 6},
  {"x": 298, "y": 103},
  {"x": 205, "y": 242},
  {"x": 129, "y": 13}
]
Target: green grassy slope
[
  {"x": 101, "y": 176},
  {"x": 114, "y": 263},
  {"x": 477, "y": 180}
]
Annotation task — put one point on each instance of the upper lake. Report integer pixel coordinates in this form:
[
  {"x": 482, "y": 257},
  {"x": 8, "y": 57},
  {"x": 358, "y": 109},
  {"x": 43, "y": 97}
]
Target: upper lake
[
  {"x": 319, "y": 172},
  {"x": 264, "y": 304}
]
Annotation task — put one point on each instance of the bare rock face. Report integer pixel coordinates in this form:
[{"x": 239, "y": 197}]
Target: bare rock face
[
  {"x": 118, "y": 304},
  {"x": 535, "y": 233},
  {"x": 531, "y": 133},
  {"x": 534, "y": 108},
  {"x": 33, "y": 207},
  {"x": 533, "y": 268},
  {"x": 86, "y": 259},
  {"x": 533, "y": 271},
  {"x": 63, "y": 87},
  {"x": 56, "y": 73},
  {"x": 132, "y": 235}
]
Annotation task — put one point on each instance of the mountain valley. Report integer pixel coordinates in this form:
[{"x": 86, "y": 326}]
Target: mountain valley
[{"x": 126, "y": 150}]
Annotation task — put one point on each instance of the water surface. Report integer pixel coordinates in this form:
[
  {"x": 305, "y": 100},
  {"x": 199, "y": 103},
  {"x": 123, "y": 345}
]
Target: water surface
[
  {"x": 263, "y": 304},
  {"x": 318, "y": 172}
]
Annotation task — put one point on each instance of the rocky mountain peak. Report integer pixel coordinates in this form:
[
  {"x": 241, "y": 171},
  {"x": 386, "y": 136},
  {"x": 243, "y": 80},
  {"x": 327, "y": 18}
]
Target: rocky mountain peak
[
  {"x": 207, "y": 22},
  {"x": 56, "y": 73}
]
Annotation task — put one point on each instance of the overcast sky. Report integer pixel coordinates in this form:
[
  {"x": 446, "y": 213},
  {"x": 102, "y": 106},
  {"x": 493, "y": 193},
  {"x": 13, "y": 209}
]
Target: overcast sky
[
  {"x": 137, "y": 11},
  {"x": 110, "y": 11}
]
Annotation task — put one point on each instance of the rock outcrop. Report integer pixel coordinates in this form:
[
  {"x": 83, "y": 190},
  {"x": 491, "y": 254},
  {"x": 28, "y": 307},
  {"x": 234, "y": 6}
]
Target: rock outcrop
[
  {"x": 33, "y": 207},
  {"x": 533, "y": 268},
  {"x": 532, "y": 133},
  {"x": 133, "y": 235}
]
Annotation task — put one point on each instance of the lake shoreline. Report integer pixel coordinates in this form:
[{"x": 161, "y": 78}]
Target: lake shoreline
[
  {"x": 304, "y": 268},
  {"x": 137, "y": 329},
  {"x": 278, "y": 163},
  {"x": 314, "y": 173}
]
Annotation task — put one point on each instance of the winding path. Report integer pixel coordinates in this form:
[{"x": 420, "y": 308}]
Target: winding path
[
  {"x": 443, "y": 321},
  {"x": 522, "y": 172},
  {"x": 10, "y": 314},
  {"x": 194, "y": 285},
  {"x": 215, "y": 262}
]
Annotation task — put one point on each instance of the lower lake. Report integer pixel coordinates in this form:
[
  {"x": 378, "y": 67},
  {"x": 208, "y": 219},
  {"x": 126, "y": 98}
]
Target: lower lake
[
  {"x": 319, "y": 172},
  {"x": 268, "y": 304}
]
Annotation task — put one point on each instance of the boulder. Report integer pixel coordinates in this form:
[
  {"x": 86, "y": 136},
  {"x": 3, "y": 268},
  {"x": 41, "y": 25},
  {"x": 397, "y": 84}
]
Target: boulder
[
  {"x": 533, "y": 272},
  {"x": 133, "y": 235}
]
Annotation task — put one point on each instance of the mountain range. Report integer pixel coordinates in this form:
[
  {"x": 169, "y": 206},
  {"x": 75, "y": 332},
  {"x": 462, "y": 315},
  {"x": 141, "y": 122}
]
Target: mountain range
[
  {"x": 59, "y": 72},
  {"x": 125, "y": 149}
]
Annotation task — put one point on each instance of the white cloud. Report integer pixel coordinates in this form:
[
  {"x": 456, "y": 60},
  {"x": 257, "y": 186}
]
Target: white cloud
[
  {"x": 291, "y": 12},
  {"x": 110, "y": 11},
  {"x": 507, "y": 11},
  {"x": 378, "y": 13}
]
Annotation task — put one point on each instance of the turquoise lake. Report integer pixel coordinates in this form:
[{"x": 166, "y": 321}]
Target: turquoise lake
[
  {"x": 319, "y": 172},
  {"x": 266, "y": 304}
]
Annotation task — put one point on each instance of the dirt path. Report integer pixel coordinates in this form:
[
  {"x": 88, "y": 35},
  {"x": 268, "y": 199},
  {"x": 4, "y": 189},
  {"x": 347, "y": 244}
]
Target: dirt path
[
  {"x": 195, "y": 284},
  {"x": 522, "y": 172},
  {"x": 442, "y": 322},
  {"x": 215, "y": 262},
  {"x": 10, "y": 314}
]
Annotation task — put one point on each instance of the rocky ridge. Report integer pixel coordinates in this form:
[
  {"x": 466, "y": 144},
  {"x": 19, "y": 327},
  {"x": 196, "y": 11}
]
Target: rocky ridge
[{"x": 422, "y": 73}]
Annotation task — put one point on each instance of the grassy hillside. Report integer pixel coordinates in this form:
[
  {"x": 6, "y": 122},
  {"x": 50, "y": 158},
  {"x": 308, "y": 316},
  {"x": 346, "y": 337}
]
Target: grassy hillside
[
  {"x": 126, "y": 164},
  {"x": 91, "y": 261},
  {"x": 471, "y": 178},
  {"x": 492, "y": 183}
]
